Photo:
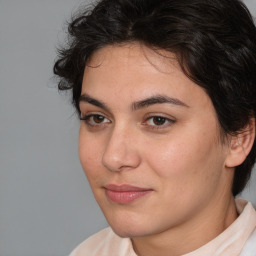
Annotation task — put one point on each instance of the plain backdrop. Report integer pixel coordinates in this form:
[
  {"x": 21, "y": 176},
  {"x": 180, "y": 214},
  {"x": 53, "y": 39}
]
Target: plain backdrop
[{"x": 46, "y": 206}]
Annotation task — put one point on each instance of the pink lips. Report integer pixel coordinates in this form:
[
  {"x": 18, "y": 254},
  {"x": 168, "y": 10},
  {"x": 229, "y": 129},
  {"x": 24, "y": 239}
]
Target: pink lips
[{"x": 125, "y": 194}]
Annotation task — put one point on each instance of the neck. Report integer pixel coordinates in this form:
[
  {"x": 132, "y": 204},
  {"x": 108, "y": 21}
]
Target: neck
[{"x": 189, "y": 236}]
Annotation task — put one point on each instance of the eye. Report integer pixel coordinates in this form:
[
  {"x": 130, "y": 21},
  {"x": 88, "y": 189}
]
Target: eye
[
  {"x": 95, "y": 119},
  {"x": 158, "y": 122}
]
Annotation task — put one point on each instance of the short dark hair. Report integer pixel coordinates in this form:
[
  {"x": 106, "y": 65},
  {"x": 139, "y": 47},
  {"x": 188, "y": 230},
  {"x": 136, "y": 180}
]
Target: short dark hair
[{"x": 214, "y": 41}]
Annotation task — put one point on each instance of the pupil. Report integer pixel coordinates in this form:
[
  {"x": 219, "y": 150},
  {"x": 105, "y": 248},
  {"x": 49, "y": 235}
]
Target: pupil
[
  {"x": 98, "y": 118},
  {"x": 159, "y": 120}
]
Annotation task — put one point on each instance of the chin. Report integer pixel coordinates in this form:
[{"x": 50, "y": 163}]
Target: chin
[
  {"x": 131, "y": 226},
  {"x": 129, "y": 232},
  {"x": 126, "y": 228}
]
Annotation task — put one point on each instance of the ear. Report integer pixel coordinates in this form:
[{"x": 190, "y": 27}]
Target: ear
[{"x": 240, "y": 145}]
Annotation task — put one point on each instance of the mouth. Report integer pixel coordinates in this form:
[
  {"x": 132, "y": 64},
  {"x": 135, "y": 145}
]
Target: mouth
[{"x": 124, "y": 194}]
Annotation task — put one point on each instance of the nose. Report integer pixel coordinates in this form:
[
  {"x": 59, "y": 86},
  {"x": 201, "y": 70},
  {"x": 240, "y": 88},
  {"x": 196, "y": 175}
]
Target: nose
[{"x": 121, "y": 151}]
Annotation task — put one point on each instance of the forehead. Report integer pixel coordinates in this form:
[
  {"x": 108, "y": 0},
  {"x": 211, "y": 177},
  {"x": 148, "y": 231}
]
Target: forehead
[
  {"x": 130, "y": 52},
  {"x": 135, "y": 71},
  {"x": 134, "y": 57}
]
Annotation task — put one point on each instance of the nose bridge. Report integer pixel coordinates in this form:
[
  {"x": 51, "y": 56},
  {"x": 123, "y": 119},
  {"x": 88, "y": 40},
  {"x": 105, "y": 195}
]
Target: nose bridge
[{"x": 120, "y": 151}]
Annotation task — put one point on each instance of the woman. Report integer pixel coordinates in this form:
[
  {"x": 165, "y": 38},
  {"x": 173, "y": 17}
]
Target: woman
[{"x": 166, "y": 94}]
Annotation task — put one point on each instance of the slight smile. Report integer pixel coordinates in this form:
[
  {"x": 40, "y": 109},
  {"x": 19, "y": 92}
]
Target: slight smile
[{"x": 124, "y": 194}]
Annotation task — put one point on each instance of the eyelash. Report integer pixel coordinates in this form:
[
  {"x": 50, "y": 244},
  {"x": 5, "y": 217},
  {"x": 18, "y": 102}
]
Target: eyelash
[
  {"x": 88, "y": 121},
  {"x": 167, "y": 122}
]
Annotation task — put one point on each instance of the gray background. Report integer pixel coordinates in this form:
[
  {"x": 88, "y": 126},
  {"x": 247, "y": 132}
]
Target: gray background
[{"x": 46, "y": 206}]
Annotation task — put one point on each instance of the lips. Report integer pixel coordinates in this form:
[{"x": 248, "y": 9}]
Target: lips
[{"x": 124, "y": 194}]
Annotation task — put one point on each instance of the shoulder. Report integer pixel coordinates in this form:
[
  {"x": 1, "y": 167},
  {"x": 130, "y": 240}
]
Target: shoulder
[
  {"x": 250, "y": 246},
  {"x": 104, "y": 243}
]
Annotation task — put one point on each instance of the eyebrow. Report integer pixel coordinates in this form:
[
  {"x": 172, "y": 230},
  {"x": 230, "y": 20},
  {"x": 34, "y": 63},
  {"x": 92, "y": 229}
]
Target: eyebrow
[
  {"x": 92, "y": 101},
  {"x": 156, "y": 99}
]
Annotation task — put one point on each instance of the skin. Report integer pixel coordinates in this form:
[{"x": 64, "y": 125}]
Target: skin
[{"x": 180, "y": 159}]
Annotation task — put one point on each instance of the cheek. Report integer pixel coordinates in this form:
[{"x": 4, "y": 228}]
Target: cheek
[
  {"x": 186, "y": 171},
  {"x": 89, "y": 154},
  {"x": 182, "y": 157}
]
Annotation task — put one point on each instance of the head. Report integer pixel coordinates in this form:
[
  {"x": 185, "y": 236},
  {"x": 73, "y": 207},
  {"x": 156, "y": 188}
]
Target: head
[{"x": 214, "y": 43}]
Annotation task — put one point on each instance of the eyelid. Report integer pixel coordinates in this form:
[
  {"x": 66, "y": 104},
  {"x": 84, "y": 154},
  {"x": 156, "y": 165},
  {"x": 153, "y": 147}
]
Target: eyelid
[
  {"x": 87, "y": 116},
  {"x": 86, "y": 108},
  {"x": 157, "y": 114},
  {"x": 170, "y": 120}
]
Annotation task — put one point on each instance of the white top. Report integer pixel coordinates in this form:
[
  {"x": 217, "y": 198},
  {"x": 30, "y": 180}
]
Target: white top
[{"x": 239, "y": 239}]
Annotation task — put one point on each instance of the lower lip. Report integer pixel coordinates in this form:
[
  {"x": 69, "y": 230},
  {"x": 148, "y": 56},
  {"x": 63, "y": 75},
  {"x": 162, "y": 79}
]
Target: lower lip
[{"x": 125, "y": 197}]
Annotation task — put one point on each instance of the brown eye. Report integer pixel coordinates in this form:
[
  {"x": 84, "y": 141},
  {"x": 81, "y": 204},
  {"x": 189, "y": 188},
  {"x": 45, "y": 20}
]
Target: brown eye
[
  {"x": 95, "y": 120},
  {"x": 158, "y": 120},
  {"x": 98, "y": 119}
]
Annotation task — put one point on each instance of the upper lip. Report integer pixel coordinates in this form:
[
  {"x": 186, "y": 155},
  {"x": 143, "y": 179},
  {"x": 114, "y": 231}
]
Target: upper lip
[{"x": 124, "y": 188}]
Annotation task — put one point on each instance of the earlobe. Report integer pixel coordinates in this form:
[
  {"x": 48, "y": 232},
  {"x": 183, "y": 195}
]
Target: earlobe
[{"x": 240, "y": 145}]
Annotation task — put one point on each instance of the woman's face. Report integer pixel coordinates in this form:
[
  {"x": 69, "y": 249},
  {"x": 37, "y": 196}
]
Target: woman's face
[{"x": 149, "y": 142}]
